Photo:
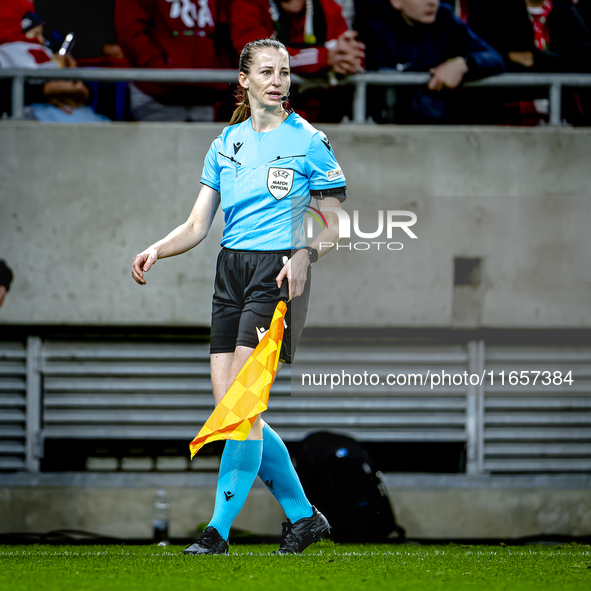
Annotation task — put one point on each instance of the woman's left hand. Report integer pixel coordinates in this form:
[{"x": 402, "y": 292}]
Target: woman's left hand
[{"x": 296, "y": 271}]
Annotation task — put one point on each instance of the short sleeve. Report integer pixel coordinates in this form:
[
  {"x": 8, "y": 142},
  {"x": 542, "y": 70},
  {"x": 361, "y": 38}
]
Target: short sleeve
[
  {"x": 211, "y": 168},
  {"x": 323, "y": 169}
]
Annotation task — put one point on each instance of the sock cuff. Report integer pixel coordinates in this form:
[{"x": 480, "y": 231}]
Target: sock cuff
[
  {"x": 297, "y": 508},
  {"x": 250, "y": 448}
]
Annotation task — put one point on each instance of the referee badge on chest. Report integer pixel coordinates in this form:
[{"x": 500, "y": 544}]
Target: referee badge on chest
[{"x": 279, "y": 182}]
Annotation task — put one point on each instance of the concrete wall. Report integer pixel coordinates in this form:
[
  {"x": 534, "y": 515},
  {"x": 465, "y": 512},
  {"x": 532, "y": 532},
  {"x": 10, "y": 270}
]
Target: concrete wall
[
  {"x": 127, "y": 513},
  {"x": 428, "y": 507},
  {"x": 78, "y": 202}
]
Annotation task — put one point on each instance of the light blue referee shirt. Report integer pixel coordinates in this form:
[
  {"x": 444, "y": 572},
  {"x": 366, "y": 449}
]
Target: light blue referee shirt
[{"x": 265, "y": 179}]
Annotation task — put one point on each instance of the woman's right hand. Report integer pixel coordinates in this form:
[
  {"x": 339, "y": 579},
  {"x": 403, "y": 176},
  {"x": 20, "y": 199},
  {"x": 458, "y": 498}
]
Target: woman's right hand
[{"x": 142, "y": 263}]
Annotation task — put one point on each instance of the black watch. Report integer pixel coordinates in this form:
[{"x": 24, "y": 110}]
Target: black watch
[{"x": 312, "y": 254}]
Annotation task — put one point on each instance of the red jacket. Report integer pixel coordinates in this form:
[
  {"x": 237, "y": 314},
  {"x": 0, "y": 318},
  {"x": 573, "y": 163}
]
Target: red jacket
[
  {"x": 169, "y": 34},
  {"x": 258, "y": 19}
]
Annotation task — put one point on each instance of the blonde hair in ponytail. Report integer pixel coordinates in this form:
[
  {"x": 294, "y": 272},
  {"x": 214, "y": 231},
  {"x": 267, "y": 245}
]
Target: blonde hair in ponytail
[{"x": 242, "y": 111}]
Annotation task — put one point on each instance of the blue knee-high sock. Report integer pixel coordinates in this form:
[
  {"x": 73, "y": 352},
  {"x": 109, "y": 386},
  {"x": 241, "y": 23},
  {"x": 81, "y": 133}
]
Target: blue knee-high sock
[
  {"x": 278, "y": 473},
  {"x": 238, "y": 469}
]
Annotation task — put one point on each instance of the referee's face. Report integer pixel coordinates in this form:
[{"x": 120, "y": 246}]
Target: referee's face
[{"x": 268, "y": 80}]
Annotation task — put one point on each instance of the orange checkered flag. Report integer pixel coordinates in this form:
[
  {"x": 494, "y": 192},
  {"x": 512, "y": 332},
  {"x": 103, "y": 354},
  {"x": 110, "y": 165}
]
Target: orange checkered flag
[{"x": 248, "y": 396}]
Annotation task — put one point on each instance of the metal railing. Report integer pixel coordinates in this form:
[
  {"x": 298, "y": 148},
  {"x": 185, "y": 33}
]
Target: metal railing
[
  {"x": 77, "y": 390},
  {"x": 553, "y": 82}
]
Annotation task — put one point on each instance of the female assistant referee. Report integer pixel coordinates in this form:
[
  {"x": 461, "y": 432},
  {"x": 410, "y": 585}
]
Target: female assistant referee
[{"x": 263, "y": 169}]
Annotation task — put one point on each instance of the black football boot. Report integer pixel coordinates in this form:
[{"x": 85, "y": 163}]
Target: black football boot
[
  {"x": 296, "y": 537},
  {"x": 210, "y": 542}
]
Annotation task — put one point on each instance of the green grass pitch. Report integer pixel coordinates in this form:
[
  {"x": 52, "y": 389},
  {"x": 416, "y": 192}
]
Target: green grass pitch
[{"x": 323, "y": 566}]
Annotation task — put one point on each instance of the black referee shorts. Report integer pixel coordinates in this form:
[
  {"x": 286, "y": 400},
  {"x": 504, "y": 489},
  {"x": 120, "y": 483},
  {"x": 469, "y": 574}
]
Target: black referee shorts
[{"x": 245, "y": 298}]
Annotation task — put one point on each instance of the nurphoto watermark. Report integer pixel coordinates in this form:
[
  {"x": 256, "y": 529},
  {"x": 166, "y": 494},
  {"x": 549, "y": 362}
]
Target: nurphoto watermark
[{"x": 389, "y": 224}]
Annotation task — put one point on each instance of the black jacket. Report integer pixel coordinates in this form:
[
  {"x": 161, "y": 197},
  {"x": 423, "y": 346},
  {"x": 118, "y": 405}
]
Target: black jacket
[
  {"x": 569, "y": 48},
  {"x": 393, "y": 44}
]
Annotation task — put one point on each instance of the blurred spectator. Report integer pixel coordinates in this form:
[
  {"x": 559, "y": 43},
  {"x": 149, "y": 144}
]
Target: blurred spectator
[
  {"x": 534, "y": 36},
  {"x": 92, "y": 22},
  {"x": 173, "y": 34},
  {"x": 23, "y": 45},
  {"x": 318, "y": 40},
  {"x": 65, "y": 103},
  {"x": 95, "y": 45},
  {"x": 421, "y": 36},
  {"x": 543, "y": 36},
  {"x": 5, "y": 280},
  {"x": 314, "y": 32}
]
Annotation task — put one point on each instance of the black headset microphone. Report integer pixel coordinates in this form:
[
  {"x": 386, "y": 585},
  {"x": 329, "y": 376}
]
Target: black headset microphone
[{"x": 285, "y": 97}]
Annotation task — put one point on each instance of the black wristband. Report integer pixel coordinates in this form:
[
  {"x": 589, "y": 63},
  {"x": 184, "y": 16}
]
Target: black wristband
[{"x": 312, "y": 254}]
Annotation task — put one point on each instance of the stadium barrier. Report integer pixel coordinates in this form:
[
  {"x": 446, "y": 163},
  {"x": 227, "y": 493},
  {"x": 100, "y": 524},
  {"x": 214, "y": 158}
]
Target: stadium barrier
[
  {"x": 553, "y": 82},
  {"x": 148, "y": 391}
]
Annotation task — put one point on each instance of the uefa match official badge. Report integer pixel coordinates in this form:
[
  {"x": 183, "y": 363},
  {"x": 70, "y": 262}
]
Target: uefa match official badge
[{"x": 279, "y": 182}]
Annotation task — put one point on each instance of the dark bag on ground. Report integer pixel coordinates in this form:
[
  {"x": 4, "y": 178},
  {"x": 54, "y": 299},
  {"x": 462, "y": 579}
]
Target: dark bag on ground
[{"x": 340, "y": 479}]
